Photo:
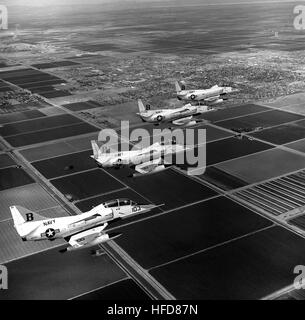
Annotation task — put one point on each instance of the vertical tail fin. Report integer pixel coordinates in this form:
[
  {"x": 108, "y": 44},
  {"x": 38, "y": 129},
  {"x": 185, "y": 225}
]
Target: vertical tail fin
[
  {"x": 22, "y": 215},
  {"x": 17, "y": 217},
  {"x": 96, "y": 149},
  {"x": 177, "y": 86},
  {"x": 141, "y": 106},
  {"x": 22, "y": 218}
]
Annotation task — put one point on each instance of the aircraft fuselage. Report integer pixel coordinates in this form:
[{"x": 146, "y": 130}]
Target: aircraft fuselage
[
  {"x": 54, "y": 228},
  {"x": 207, "y": 94},
  {"x": 133, "y": 157}
]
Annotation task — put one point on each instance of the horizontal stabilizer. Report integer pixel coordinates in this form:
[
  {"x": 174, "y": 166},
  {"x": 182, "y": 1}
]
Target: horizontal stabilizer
[
  {"x": 182, "y": 121},
  {"x": 141, "y": 106}
]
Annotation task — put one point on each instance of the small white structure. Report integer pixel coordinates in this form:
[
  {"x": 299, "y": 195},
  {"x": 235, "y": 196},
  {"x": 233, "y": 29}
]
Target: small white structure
[{"x": 3, "y": 17}]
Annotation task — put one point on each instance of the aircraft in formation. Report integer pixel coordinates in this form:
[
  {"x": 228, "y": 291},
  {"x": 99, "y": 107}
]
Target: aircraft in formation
[
  {"x": 144, "y": 161},
  {"x": 185, "y": 115},
  {"x": 182, "y": 116},
  {"x": 213, "y": 95},
  {"x": 79, "y": 231},
  {"x": 88, "y": 229},
  {"x": 151, "y": 159}
]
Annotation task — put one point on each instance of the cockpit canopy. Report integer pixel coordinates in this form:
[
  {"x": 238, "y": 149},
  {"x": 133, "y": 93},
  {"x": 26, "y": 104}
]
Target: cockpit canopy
[{"x": 119, "y": 203}]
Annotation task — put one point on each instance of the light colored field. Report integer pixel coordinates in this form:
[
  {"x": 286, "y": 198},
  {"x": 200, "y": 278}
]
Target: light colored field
[
  {"x": 297, "y": 145},
  {"x": 46, "y": 151},
  {"x": 80, "y": 144},
  {"x": 32, "y": 196},
  {"x": 52, "y": 111},
  {"x": 12, "y": 247},
  {"x": 111, "y": 116},
  {"x": 297, "y": 108},
  {"x": 264, "y": 165},
  {"x": 293, "y": 103},
  {"x": 59, "y": 148}
]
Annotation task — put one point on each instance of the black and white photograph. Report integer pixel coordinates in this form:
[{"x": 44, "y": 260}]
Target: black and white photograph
[{"x": 151, "y": 152}]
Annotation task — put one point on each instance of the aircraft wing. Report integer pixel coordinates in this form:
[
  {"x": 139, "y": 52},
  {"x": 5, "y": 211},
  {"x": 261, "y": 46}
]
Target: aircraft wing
[
  {"x": 88, "y": 238},
  {"x": 212, "y": 98},
  {"x": 150, "y": 166},
  {"x": 182, "y": 121}
]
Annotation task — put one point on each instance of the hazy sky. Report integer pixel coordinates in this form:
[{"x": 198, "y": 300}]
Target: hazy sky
[{"x": 71, "y": 2}]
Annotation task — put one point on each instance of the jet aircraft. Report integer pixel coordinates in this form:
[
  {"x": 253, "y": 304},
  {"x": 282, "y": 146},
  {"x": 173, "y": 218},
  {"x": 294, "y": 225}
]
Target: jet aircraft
[
  {"x": 144, "y": 161},
  {"x": 213, "y": 95},
  {"x": 183, "y": 116},
  {"x": 79, "y": 231}
]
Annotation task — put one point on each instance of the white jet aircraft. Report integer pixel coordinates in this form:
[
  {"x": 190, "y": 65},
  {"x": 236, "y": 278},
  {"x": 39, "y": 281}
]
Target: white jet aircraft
[
  {"x": 144, "y": 161},
  {"x": 212, "y": 95},
  {"x": 179, "y": 116},
  {"x": 80, "y": 231}
]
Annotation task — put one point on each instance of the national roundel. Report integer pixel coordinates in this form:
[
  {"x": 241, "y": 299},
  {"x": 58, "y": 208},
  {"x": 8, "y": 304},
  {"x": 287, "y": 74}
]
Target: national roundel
[{"x": 50, "y": 233}]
